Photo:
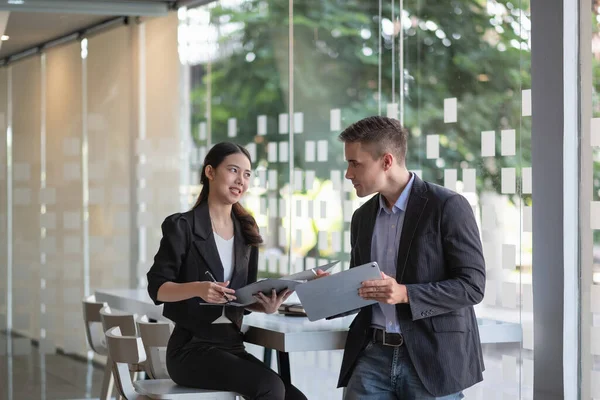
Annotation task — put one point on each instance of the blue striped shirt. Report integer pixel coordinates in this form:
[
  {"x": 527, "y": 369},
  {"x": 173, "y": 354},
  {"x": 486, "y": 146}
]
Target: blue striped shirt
[{"x": 384, "y": 249}]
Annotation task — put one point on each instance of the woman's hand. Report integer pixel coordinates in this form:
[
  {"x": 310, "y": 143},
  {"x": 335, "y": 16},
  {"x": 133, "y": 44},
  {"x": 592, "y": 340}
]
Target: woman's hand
[
  {"x": 270, "y": 304},
  {"x": 215, "y": 292}
]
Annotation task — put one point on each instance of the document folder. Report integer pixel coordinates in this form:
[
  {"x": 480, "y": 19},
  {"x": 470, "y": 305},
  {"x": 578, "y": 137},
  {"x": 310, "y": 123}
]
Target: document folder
[{"x": 337, "y": 293}]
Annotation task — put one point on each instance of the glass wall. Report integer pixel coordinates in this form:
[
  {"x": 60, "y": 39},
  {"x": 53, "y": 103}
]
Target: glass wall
[{"x": 285, "y": 80}]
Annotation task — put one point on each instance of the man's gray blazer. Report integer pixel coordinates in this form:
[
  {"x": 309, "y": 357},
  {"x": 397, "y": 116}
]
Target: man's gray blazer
[{"x": 440, "y": 260}]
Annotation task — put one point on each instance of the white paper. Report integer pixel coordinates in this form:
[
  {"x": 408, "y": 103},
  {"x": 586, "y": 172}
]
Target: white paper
[
  {"x": 272, "y": 179},
  {"x": 508, "y": 181},
  {"x": 508, "y": 140},
  {"x": 335, "y": 120},
  {"x": 509, "y": 254},
  {"x": 322, "y": 150},
  {"x": 310, "y": 179},
  {"x": 283, "y": 151},
  {"x": 231, "y": 127},
  {"x": 310, "y": 150},
  {"x": 298, "y": 122},
  {"x": 450, "y": 178},
  {"x": 488, "y": 144},
  {"x": 526, "y": 102},
  {"x": 272, "y": 152},
  {"x": 392, "y": 110},
  {"x": 261, "y": 122},
  {"x": 527, "y": 183},
  {"x": 433, "y": 146},
  {"x": 527, "y": 219},
  {"x": 283, "y": 123},
  {"x": 469, "y": 180},
  {"x": 450, "y": 110}
]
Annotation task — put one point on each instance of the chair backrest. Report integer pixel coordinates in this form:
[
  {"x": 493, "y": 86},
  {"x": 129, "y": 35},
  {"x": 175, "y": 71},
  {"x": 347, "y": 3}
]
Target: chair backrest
[
  {"x": 155, "y": 337},
  {"x": 112, "y": 318},
  {"x": 93, "y": 325},
  {"x": 124, "y": 351}
]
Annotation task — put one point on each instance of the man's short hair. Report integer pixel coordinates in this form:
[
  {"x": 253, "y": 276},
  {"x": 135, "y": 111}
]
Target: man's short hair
[{"x": 380, "y": 135}]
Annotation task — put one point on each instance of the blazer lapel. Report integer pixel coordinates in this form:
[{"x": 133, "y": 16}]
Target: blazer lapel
[
  {"x": 205, "y": 243},
  {"x": 414, "y": 210},
  {"x": 240, "y": 249}
]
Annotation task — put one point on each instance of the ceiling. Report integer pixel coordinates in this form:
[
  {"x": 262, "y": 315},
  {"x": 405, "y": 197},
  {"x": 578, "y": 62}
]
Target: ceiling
[{"x": 31, "y": 23}]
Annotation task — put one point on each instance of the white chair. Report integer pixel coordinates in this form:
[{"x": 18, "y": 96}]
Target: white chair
[
  {"x": 127, "y": 350},
  {"x": 155, "y": 337},
  {"x": 126, "y": 322},
  {"x": 96, "y": 340}
]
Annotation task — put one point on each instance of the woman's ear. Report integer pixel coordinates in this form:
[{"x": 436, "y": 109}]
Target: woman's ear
[{"x": 209, "y": 172}]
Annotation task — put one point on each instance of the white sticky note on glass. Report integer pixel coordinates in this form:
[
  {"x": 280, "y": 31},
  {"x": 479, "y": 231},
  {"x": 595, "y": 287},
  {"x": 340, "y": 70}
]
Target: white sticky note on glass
[
  {"x": 527, "y": 219},
  {"x": 450, "y": 178},
  {"x": 595, "y": 214},
  {"x": 272, "y": 152},
  {"x": 298, "y": 239},
  {"x": 310, "y": 209},
  {"x": 323, "y": 243},
  {"x": 272, "y": 206},
  {"x": 311, "y": 262},
  {"x": 527, "y": 182},
  {"x": 22, "y": 196},
  {"x": 595, "y": 132},
  {"x": 262, "y": 178},
  {"x": 347, "y": 243},
  {"x": 298, "y": 122},
  {"x": 261, "y": 125},
  {"x": 322, "y": 150},
  {"x": 282, "y": 237},
  {"x": 71, "y": 171},
  {"x": 335, "y": 120},
  {"x": 283, "y": 123},
  {"x": 528, "y": 335},
  {"x": 348, "y": 210},
  {"x": 251, "y": 147},
  {"x": 71, "y": 146},
  {"x": 263, "y": 206},
  {"x": 323, "y": 209},
  {"x": 262, "y": 262},
  {"x": 392, "y": 110},
  {"x": 202, "y": 131},
  {"x": 48, "y": 220},
  {"x": 469, "y": 180},
  {"x": 509, "y": 254},
  {"x": 282, "y": 208},
  {"x": 509, "y": 295},
  {"x": 231, "y": 127},
  {"x": 508, "y": 181},
  {"x": 488, "y": 217},
  {"x": 433, "y": 146},
  {"x": 336, "y": 179},
  {"x": 71, "y": 220},
  {"x": 508, "y": 142},
  {"x": 298, "y": 180},
  {"x": 527, "y": 372},
  {"x": 272, "y": 179},
  {"x": 527, "y": 297},
  {"x": 336, "y": 241},
  {"x": 490, "y": 295},
  {"x": 450, "y": 110},
  {"x": 283, "y": 151},
  {"x": 526, "y": 102},
  {"x": 309, "y": 151},
  {"x": 488, "y": 144},
  {"x": 310, "y": 179},
  {"x": 595, "y": 340},
  {"x": 299, "y": 208},
  {"x": 509, "y": 369}
]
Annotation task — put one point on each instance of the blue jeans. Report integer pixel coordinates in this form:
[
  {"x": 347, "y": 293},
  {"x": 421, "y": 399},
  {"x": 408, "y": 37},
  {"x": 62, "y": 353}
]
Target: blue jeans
[{"x": 386, "y": 373}]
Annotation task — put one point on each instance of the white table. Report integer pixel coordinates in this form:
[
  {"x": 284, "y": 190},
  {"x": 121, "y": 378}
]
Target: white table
[{"x": 286, "y": 334}]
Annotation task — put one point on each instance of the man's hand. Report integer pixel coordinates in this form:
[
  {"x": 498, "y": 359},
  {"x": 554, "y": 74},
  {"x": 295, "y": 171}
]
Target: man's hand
[
  {"x": 385, "y": 290},
  {"x": 321, "y": 274}
]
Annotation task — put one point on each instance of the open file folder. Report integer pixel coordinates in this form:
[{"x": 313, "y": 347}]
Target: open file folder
[
  {"x": 245, "y": 296},
  {"x": 337, "y": 293}
]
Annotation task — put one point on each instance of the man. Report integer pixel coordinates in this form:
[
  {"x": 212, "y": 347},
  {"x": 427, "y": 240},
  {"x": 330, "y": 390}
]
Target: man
[{"x": 420, "y": 341}]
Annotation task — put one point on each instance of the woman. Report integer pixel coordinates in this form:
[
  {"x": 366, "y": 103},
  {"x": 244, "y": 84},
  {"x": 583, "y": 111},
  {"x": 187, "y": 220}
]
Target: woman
[{"x": 204, "y": 255}]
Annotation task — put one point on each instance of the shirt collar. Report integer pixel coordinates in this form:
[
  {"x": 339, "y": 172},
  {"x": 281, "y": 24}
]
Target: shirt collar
[{"x": 402, "y": 201}]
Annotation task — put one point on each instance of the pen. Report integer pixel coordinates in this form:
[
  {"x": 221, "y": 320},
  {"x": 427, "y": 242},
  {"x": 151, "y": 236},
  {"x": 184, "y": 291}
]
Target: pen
[{"x": 212, "y": 278}]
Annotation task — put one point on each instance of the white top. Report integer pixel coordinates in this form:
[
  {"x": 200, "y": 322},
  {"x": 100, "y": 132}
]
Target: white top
[{"x": 225, "y": 248}]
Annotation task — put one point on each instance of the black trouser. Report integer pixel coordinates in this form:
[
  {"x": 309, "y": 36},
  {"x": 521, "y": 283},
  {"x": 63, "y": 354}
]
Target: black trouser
[{"x": 219, "y": 361}]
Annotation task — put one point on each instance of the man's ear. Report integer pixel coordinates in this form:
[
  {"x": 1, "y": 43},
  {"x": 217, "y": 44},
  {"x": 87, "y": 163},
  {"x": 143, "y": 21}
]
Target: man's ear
[{"x": 388, "y": 161}]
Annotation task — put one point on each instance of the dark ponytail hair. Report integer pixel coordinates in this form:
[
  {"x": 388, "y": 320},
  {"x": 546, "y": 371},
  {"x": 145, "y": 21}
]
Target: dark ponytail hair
[{"x": 214, "y": 158}]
